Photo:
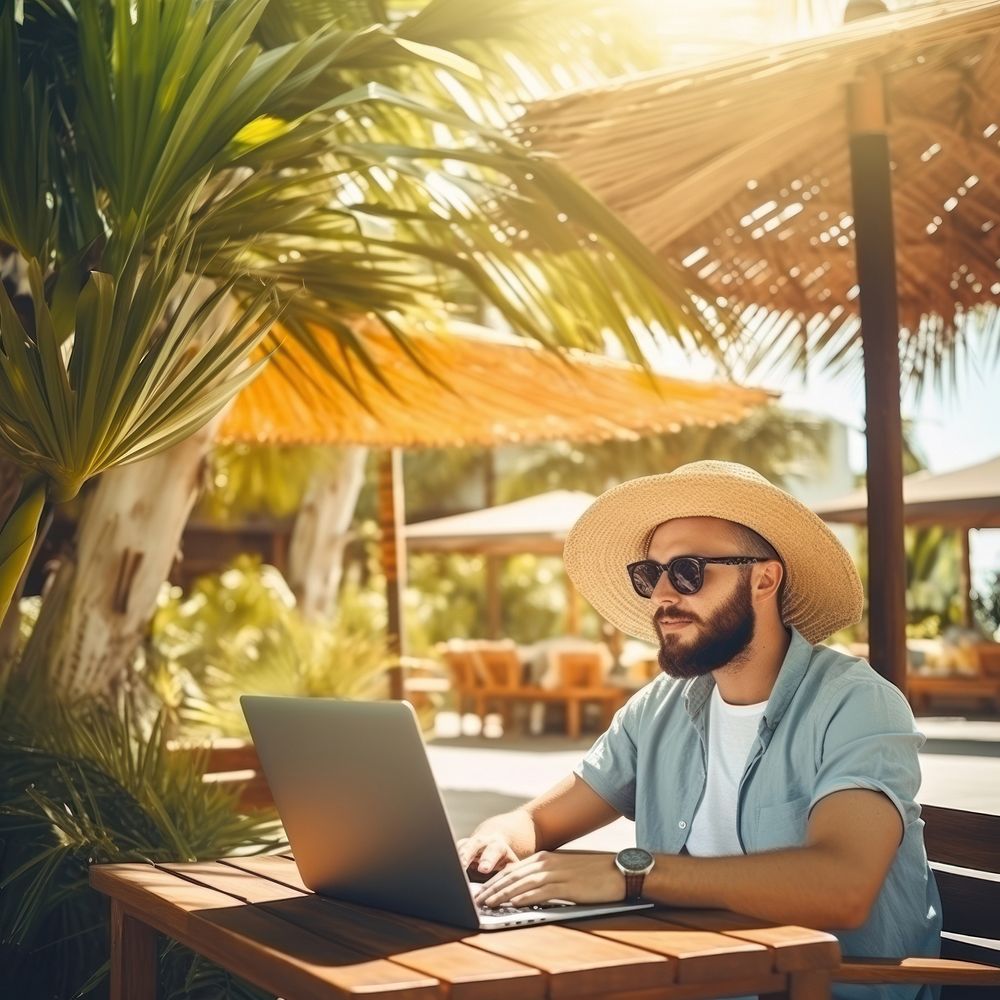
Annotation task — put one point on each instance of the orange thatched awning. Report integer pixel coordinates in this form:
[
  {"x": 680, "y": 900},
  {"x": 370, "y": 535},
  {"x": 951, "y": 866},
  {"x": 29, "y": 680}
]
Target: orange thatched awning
[
  {"x": 738, "y": 168},
  {"x": 492, "y": 390}
]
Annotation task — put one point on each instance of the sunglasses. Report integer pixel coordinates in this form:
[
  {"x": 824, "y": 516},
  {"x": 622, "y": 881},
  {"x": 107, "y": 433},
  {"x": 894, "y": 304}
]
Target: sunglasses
[{"x": 685, "y": 573}]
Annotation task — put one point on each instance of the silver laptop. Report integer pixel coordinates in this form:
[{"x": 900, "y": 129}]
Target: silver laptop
[{"x": 364, "y": 817}]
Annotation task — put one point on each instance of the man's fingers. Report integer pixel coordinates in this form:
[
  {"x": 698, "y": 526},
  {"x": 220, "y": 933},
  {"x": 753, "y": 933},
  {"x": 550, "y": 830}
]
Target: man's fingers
[
  {"x": 495, "y": 856},
  {"x": 467, "y": 851},
  {"x": 505, "y": 888}
]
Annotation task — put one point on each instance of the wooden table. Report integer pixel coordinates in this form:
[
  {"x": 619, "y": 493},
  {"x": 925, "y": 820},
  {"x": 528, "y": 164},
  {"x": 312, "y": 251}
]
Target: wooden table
[{"x": 254, "y": 917}]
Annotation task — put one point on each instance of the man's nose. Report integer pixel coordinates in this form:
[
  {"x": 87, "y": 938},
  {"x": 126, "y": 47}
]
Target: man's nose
[{"x": 663, "y": 592}]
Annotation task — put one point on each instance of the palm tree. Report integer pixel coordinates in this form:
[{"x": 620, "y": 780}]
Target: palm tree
[{"x": 176, "y": 175}]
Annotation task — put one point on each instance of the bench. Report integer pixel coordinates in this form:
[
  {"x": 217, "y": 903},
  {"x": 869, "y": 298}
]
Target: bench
[
  {"x": 970, "y": 904},
  {"x": 922, "y": 688}
]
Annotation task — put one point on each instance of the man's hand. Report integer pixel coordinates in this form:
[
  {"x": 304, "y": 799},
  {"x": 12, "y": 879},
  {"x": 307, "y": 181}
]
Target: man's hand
[
  {"x": 485, "y": 854},
  {"x": 576, "y": 877}
]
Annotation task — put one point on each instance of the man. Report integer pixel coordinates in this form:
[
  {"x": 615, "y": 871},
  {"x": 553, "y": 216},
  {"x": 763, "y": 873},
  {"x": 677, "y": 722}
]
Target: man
[{"x": 765, "y": 774}]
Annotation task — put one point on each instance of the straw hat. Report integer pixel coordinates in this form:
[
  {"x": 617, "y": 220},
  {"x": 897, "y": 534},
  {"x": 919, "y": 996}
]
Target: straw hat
[{"x": 822, "y": 589}]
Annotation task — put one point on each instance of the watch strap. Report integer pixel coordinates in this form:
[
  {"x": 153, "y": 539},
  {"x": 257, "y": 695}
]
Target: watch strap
[{"x": 633, "y": 886}]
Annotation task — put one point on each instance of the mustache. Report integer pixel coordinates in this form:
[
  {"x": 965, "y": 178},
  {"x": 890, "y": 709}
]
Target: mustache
[{"x": 665, "y": 615}]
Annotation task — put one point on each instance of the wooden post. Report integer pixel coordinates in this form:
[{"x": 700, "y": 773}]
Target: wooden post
[
  {"x": 134, "y": 963},
  {"x": 494, "y": 610},
  {"x": 965, "y": 577},
  {"x": 392, "y": 550},
  {"x": 874, "y": 245}
]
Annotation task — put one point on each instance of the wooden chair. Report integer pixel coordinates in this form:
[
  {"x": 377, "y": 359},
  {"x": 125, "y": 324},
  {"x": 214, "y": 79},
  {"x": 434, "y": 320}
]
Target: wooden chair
[
  {"x": 499, "y": 663},
  {"x": 485, "y": 674},
  {"x": 580, "y": 681},
  {"x": 987, "y": 656},
  {"x": 232, "y": 763},
  {"x": 970, "y": 903},
  {"x": 468, "y": 683}
]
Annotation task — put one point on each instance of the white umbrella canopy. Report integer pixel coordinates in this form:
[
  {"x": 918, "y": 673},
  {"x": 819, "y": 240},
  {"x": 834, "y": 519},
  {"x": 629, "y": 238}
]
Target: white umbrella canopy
[
  {"x": 968, "y": 497},
  {"x": 536, "y": 524}
]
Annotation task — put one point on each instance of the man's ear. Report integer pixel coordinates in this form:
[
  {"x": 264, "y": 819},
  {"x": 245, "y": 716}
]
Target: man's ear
[{"x": 768, "y": 578}]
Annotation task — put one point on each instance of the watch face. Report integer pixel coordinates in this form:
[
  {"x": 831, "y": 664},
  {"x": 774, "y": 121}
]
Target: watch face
[{"x": 635, "y": 859}]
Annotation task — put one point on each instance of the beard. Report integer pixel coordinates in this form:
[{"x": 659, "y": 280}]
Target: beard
[{"x": 719, "y": 641}]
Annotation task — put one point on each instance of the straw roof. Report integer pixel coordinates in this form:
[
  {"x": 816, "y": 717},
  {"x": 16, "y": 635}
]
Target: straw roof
[
  {"x": 492, "y": 390},
  {"x": 739, "y": 168},
  {"x": 968, "y": 497}
]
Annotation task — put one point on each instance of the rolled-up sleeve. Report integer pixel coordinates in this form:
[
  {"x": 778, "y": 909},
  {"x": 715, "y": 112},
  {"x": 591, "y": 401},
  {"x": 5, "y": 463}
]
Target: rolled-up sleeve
[
  {"x": 870, "y": 741},
  {"x": 610, "y": 765}
]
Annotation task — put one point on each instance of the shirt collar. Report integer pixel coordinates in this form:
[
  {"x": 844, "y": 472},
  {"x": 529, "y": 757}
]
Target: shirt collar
[{"x": 793, "y": 669}]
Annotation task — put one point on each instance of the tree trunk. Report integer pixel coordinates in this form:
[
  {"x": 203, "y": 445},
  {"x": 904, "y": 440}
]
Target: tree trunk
[
  {"x": 315, "y": 555},
  {"x": 98, "y": 609}
]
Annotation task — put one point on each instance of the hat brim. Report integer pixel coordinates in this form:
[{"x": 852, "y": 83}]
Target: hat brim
[{"x": 822, "y": 592}]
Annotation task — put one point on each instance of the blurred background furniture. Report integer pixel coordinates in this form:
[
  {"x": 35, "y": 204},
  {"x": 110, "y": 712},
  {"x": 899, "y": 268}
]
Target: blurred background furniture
[
  {"x": 494, "y": 674},
  {"x": 963, "y": 670}
]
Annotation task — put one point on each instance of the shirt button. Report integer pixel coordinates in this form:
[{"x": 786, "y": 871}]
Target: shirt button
[{"x": 682, "y": 825}]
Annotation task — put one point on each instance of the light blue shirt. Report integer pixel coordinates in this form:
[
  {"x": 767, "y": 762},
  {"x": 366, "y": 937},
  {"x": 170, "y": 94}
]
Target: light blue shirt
[{"x": 831, "y": 723}]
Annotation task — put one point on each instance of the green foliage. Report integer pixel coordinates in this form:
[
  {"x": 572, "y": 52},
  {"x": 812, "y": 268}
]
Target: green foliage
[
  {"x": 96, "y": 784},
  {"x": 932, "y": 580},
  {"x": 986, "y": 605},
  {"x": 444, "y": 599},
  {"x": 779, "y": 444},
  {"x": 250, "y": 481},
  {"x": 238, "y": 632},
  {"x": 93, "y": 785}
]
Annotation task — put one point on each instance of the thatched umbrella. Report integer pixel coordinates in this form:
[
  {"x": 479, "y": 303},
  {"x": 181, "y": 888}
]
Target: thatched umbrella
[
  {"x": 472, "y": 387},
  {"x": 742, "y": 171}
]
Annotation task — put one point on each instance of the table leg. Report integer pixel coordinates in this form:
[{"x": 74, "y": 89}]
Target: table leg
[
  {"x": 134, "y": 966},
  {"x": 814, "y": 985},
  {"x": 810, "y": 985},
  {"x": 573, "y": 718}
]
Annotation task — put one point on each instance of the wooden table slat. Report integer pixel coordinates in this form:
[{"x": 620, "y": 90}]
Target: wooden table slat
[
  {"x": 577, "y": 962},
  {"x": 795, "y": 949},
  {"x": 275, "y": 867},
  {"x": 700, "y": 956},
  {"x": 265, "y": 949},
  {"x": 434, "y": 950}
]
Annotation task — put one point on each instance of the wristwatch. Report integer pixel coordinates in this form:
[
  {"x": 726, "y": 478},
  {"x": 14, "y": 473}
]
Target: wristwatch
[{"x": 635, "y": 864}]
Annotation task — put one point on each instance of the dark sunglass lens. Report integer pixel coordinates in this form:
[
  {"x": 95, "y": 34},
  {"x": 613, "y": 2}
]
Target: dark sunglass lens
[
  {"x": 685, "y": 575},
  {"x": 645, "y": 576}
]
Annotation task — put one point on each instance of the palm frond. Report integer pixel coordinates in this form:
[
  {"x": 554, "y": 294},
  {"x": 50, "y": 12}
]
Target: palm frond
[{"x": 128, "y": 386}]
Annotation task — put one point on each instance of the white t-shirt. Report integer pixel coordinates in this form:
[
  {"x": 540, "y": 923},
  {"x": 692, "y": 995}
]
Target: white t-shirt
[{"x": 732, "y": 730}]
